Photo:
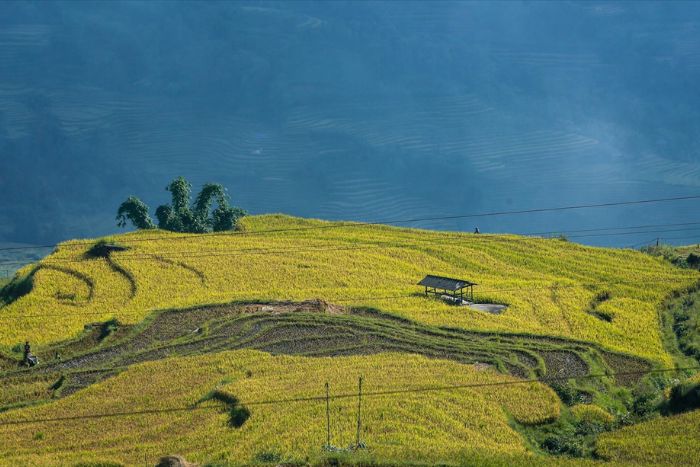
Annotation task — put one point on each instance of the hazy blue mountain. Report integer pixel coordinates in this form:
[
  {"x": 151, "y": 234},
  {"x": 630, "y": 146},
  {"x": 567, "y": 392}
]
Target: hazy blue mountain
[{"x": 350, "y": 110}]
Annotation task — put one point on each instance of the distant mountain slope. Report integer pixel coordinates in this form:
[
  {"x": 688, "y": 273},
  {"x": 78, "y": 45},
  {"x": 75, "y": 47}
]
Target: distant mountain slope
[
  {"x": 605, "y": 296},
  {"x": 347, "y": 110}
]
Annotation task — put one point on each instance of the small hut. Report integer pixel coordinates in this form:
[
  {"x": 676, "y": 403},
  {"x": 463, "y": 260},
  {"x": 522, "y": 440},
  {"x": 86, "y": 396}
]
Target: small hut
[{"x": 454, "y": 288}]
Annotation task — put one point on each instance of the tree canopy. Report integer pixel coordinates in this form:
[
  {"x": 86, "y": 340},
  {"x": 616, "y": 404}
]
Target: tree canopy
[{"x": 181, "y": 215}]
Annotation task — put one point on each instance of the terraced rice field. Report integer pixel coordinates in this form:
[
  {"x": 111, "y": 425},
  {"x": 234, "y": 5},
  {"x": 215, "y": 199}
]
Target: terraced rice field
[
  {"x": 552, "y": 287},
  {"x": 309, "y": 329},
  {"x": 445, "y": 425},
  {"x": 670, "y": 440},
  {"x": 219, "y": 323}
]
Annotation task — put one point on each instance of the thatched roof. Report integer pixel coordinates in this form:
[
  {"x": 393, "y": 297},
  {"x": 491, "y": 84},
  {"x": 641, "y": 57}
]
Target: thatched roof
[{"x": 444, "y": 283}]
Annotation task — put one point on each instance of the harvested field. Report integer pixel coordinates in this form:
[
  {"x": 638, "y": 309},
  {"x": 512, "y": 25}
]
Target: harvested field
[{"x": 312, "y": 328}]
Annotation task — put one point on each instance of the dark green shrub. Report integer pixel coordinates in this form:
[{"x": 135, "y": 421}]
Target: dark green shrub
[
  {"x": 603, "y": 296},
  {"x": 108, "y": 328},
  {"x": 103, "y": 248},
  {"x": 645, "y": 404},
  {"x": 238, "y": 416},
  {"x": 683, "y": 397},
  {"x": 565, "y": 442},
  {"x": 569, "y": 394}
]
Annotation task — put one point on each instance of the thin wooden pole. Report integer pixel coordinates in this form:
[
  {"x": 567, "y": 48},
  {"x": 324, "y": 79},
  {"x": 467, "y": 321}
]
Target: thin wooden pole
[
  {"x": 328, "y": 416},
  {"x": 359, "y": 412}
]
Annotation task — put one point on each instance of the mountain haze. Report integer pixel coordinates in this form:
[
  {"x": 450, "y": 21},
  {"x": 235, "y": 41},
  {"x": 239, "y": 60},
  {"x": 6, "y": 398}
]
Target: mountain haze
[{"x": 348, "y": 110}]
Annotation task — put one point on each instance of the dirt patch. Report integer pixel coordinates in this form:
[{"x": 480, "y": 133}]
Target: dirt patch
[
  {"x": 493, "y": 308},
  {"x": 311, "y": 328},
  {"x": 563, "y": 364},
  {"x": 309, "y": 306},
  {"x": 80, "y": 380},
  {"x": 628, "y": 370},
  {"x": 527, "y": 359},
  {"x": 516, "y": 370},
  {"x": 174, "y": 461}
]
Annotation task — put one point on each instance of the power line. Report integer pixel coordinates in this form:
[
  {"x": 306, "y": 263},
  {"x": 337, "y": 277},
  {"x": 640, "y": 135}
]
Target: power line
[
  {"x": 600, "y": 229},
  {"x": 247, "y": 252},
  {"x": 387, "y": 392},
  {"x": 645, "y": 242},
  {"x": 396, "y": 221},
  {"x": 613, "y": 234},
  {"x": 257, "y": 250},
  {"x": 694, "y": 237}
]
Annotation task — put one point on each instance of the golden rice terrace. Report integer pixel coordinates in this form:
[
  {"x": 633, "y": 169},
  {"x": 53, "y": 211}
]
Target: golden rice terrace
[{"x": 256, "y": 321}]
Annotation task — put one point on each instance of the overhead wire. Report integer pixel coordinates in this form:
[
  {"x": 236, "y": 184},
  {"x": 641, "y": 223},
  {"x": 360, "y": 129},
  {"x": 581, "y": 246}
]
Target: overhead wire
[
  {"x": 600, "y": 229},
  {"x": 348, "y": 224},
  {"x": 319, "y": 398}
]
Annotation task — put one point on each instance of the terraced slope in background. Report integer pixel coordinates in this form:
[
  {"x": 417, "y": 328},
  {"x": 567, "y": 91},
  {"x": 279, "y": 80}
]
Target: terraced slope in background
[{"x": 552, "y": 287}]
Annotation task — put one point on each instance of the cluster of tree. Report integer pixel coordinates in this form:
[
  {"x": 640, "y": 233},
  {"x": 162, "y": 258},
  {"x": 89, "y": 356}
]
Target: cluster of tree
[
  {"x": 182, "y": 215},
  {"x": 673, "y": 255}
]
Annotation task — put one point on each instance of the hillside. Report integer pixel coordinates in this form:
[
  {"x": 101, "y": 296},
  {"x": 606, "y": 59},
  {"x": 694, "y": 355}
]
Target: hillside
[
  {"x": 669, "y": 440},
  {"x": 551, "y": 287},
  {"x": 219, "y": 331},
  {"x": 292, "y": 431},
  {"x": 666, "y": 441}
]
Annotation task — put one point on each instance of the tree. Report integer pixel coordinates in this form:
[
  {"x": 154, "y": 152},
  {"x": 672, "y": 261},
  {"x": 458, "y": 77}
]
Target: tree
[
  {"x": 136, "y": 211},
  {"x": 224, "y": 217},
  {"x": 693, "y": 260},
  {"x": 179, "y": 216}
]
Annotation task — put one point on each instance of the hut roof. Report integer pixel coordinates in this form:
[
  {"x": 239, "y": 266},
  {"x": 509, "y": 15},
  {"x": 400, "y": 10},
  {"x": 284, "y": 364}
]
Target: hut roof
[{"x": 444, "y": 283}]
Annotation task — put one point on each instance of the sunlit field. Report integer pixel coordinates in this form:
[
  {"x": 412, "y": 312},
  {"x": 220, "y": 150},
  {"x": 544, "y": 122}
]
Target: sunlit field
[
  {"x": 431, "y": 426},
  {"x": 670, "y": 440},
  {"x": 551, "y": 287}
]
